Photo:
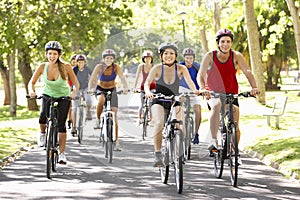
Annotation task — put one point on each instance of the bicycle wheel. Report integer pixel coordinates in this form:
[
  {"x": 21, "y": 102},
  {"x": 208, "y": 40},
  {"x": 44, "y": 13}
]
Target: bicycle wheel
[
  {"x": 233, "y": 155},
  {"x": 178, "y": 159},
  {"x": 54, "y": 158},
  {"x": 219, "y": 159},
  {"x": 109, "y": 142},
  {"x": 145, "y": 122},
  {"x": 188, "y": 137},
  {"x": 164, "y": 171},
  {"x": 80, "y": 125},
  {"x": 49, "y": 153}
]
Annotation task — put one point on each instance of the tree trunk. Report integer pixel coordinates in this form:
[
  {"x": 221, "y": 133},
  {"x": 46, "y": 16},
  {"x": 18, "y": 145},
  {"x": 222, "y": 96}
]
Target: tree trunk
[
  {"x": 217, "y": 15},
  {"x": 296, "y": 23},
  {"x": 254, "y": 49},
  {"x": 26, "y": 72},
  {"x": 203, "y": 39},
  {"x": 12, "y": 83},
  {"x": 5, "y": 78}
]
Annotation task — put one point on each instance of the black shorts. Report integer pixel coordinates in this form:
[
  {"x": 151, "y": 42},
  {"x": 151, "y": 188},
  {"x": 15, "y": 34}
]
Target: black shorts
[{"x": 114, "y": 96}]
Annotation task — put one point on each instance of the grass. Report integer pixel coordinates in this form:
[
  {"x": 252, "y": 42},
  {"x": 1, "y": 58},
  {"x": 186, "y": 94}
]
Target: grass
[
  {"x": 22, "y": 113},
  {"x": 280, "y": 146},
  {"x": 13, "y": 138}
]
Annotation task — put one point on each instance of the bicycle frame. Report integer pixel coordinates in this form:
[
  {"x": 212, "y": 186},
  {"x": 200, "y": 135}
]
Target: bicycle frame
[{"x": 108, "y": 114}]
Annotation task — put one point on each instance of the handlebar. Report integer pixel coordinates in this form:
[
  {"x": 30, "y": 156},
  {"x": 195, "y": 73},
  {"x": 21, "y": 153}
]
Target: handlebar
[{"x": 52, "y": 98}]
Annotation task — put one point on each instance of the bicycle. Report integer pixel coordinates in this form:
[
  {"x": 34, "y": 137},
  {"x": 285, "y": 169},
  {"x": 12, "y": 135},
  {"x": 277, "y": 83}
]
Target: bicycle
[
  {"x": 51, "y": 143},
  {"x": 107, "y": 123},
  {"x": 80, "y": 116},
  {"x": 189, "y": 124},
  {"x": 229, "y": 141},
  {"x": 145, "y": 115},
  {"x": 172, "y": 143}
]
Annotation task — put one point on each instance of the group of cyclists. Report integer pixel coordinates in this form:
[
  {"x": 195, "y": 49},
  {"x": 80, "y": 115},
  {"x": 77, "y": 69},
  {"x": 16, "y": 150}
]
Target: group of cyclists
[{"x": 216, "y": 73}]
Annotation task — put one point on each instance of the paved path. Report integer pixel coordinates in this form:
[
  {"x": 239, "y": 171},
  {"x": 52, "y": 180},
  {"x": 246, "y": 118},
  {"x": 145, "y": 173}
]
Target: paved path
[{"x": 131, "y": 175}]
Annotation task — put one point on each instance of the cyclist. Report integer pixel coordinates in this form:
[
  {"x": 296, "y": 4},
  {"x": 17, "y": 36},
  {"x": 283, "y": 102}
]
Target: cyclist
[
  {"x": 167, "y": 75},
  {"x": 104, "y": 79},
  {"x": 83, "y": 73},
  {"x": 73, "y": 63},
  {"x": 55, "y": 73},
  {"x": 193, "y": 68},
  {"x": 143, "y": 69},
  {"x": 218, "y": 73}
]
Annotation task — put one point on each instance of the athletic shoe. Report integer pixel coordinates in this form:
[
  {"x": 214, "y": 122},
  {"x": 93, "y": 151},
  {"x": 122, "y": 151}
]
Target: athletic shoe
[
  {"x": 97, "y": 124},
  {"x": 196, "y": 139},
  {"x": 42, "y": 140},
  {"x": 158, "y": 160},
  {"x": 62, "y": 159},
  {"x": 213, "y": 145},
  {"x": 73, "y": 131},
  {"x": 117, "y": 146}
]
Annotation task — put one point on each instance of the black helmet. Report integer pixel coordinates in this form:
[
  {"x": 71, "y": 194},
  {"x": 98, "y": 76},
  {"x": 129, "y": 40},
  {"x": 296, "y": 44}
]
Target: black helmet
[
  {"x": 53, "y": 45},
  {"x": 166, "y": 45},
  {"x": 109, "y": 52},
  {"x": 224, "y": 32},
  {"x": 80, "y": 57}
]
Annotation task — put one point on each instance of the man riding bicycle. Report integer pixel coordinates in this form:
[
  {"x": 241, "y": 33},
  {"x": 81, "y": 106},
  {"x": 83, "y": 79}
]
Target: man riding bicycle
[{"x": 218, "y": 74}]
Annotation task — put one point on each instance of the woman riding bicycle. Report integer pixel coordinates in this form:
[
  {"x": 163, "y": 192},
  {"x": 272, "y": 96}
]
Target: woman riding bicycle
[
  {"x": 143, "y": 69},
  {"x": 167, "y": 75},
  {"x": 218, "y": 74},
  {"x": 55, "y": 73},
  {"x": 104, "y": 79}
]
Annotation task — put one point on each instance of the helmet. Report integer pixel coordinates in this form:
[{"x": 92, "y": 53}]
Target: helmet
[
  {"x": 109, "y": 52},
  {"x": 189, "y": 51},
  {"x": 166, "y": 45},
  {"x": 80, "y": 57},
  {"x": 54, "y": 45},
  {"x": 147, "y": 53},
  {"x": 73, "y": 57},
  {"x": 224, "y": 32}
]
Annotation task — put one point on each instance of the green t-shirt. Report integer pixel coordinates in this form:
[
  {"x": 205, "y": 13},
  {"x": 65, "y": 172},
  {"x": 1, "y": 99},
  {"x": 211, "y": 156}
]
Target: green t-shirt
[{"x": 58, "y": 88}]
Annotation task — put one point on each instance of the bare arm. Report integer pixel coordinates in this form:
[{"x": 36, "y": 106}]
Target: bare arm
[
  {"x": 187, "y": 78},
  {"x": 31, "y": 85},
  {"x": 201, "y": 76},
  {"x": 137, "y": 75},
  {"x": 124, "y": 82},
  {"x": 74, "y": 80},
  {"x": 240, "y": 60},
  {"x": 152, "y": 74},
  {"x": 93, "y": 79}
]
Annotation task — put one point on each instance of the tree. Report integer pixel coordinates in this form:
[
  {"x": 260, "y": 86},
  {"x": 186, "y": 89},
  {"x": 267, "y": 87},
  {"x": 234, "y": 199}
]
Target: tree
[
  {"x": 254, "y": 49},
  {"x": 294, "y": 10}
]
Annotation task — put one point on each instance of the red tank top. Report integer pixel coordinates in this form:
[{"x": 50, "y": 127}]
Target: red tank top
[
  {"x": 221, "y": 77},
  {"x": 145, "y": 75}
]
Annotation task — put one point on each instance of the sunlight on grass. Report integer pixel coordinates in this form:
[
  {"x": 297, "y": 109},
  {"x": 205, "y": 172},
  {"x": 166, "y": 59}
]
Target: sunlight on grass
[
  {"x": 22, "y": 113},
  {"x": 11, "y": 139}
]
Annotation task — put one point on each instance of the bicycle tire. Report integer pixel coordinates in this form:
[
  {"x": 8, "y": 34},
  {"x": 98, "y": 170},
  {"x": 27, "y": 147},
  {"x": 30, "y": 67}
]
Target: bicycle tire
[
  {"x": 164, "y": 170},
  {"x": 188, "y": 138},
  {"x": 178, "y": 159},
  {"x": 145, "y": 123},
  {"x": 49, "y": 154},
  {"x": 80, "y": 125},
  {"x": 219, "y": 159},
  {"x": 233, "y": 153},
  {"x": 54, "y": 158},
  {"x": 109, "y": 142}
]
